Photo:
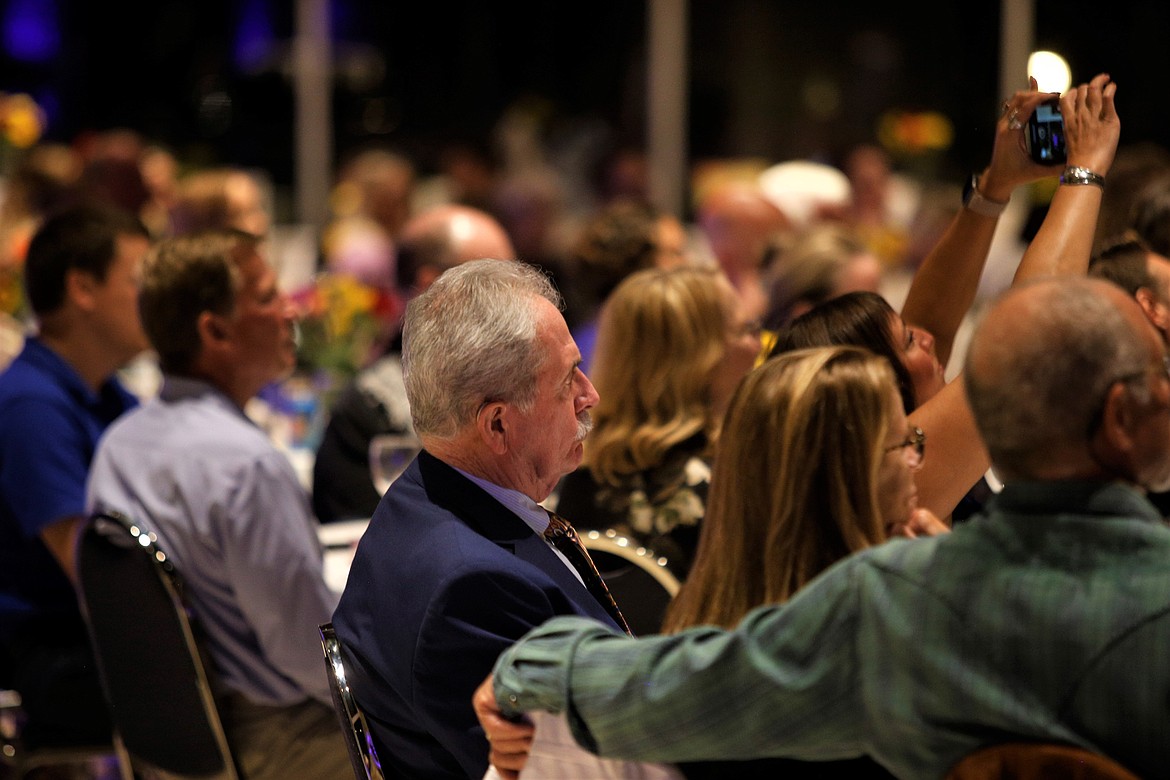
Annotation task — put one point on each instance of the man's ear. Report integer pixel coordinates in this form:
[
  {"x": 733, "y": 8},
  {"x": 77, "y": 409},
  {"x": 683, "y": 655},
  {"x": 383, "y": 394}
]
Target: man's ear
[
  {"x": 81, "y": 288},
  {"x": 1120, "y": 417},
  {"x": 1149, "y": 303},
  {"x": 213, "y": 329},
  {"x": 1155, "y": 311},
  {"x": 492, "y": 425}
]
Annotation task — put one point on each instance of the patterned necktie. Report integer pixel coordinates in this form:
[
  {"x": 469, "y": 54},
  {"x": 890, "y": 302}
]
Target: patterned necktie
[{"x": 564, "y": 537}]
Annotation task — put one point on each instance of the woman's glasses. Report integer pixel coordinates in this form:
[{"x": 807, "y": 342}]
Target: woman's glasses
[{"x": 917, "y": 440}]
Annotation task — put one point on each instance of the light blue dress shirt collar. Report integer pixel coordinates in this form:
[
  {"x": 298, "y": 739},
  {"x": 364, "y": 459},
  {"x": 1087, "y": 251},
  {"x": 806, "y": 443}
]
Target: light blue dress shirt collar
[{"x": 532, "y": 513}]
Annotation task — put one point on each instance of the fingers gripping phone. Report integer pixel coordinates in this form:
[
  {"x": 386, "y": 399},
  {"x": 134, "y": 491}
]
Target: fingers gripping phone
[{"x": 1044, "y": 134}]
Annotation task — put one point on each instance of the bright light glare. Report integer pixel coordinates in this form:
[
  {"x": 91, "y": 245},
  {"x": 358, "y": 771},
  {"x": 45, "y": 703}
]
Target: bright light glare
[{"x": 1050, "y": 70}]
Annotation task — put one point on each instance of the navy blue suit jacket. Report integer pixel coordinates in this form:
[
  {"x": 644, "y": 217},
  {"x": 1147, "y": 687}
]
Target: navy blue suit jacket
[{"x": 444, "y": 579}]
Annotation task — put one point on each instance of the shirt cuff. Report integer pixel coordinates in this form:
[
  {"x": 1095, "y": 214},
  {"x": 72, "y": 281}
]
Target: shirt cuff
[{"x": 533, "y": 674}]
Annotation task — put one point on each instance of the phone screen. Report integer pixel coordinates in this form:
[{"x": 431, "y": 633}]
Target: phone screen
[{"x": 1046, "y": 134}]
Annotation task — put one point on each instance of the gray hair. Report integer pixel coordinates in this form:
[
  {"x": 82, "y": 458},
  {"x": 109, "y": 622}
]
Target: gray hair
[
  {"x": 471, "y": 338},
  {"x": 1043, "y": 391}
]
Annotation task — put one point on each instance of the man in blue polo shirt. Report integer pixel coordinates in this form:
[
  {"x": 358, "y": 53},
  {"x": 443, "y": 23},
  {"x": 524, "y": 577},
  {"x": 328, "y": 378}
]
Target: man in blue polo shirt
[{"x": 56, "y": 399}]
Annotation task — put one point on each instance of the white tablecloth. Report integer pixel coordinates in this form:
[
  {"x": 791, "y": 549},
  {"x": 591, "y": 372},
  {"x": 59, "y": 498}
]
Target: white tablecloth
[
  {"x": 340, "y": 540},
  {"x": 557, "y": 756}
]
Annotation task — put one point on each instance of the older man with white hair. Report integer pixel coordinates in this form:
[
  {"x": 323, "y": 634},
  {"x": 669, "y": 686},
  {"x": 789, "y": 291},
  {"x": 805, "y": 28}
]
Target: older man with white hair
[{"x": 455, "y": 565}]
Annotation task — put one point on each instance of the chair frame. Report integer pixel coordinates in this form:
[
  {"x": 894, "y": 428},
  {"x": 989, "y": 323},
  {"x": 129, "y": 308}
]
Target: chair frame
[
  {"x": 638, "y": 579},
  {"x": 611, "y": 541},
  {"x": 1027, "y": 760},
  {"x": 358, "y": 742},
  {"x": 110, "y": 525}
]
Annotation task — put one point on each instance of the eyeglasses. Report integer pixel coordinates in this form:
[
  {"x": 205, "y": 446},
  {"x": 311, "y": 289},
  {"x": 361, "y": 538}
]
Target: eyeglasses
[{"x": 917, "y": 440}]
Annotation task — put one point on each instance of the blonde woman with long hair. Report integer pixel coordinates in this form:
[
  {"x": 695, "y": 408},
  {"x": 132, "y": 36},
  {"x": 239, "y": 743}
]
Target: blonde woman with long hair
[
  {"x": 671, "y": 348},
  {"x": 816, "y": 462}
]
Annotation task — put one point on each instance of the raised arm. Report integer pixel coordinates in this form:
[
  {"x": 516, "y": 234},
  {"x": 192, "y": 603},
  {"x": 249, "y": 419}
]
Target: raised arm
[
  {"x": 1062, "y": 245},
  {"x": 944, "y": 287},
  {"x": 1064, "y": 242}
]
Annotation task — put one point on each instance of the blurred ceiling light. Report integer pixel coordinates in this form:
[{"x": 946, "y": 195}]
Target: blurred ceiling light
[{"x": 1050, "y": 70}]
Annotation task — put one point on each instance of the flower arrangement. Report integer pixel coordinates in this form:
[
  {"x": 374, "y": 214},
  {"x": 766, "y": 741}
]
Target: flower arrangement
[
  {"x": 911, "y": 133},
  {"x": 344, "y": 324}
]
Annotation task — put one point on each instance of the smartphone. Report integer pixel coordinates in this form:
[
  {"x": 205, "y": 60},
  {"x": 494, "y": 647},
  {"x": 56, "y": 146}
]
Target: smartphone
[{"x": 1044, "y": 134}]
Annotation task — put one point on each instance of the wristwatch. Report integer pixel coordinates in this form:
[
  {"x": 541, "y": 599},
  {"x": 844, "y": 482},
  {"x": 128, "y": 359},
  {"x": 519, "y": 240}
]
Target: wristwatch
[
  {"x": 1076, "y": 174},
  {"x": 974, "y": 200}
]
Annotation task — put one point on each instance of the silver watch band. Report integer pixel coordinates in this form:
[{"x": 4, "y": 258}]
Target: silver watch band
[{"x": 1076, "y": 174}]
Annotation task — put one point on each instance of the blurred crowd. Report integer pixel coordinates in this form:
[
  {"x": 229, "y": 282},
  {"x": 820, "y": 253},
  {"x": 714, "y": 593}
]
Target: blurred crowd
[
  {"x": 785, "y": 237},
  {"x": 752, "y": 382},
  {"x": 578, "y": 221}
]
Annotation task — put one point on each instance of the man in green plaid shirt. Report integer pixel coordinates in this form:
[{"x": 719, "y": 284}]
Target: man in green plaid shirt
[{"x": 1047, "y": 619}]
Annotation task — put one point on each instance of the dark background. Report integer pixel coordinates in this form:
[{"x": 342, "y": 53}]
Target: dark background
[{"x": 210, "y": 79}]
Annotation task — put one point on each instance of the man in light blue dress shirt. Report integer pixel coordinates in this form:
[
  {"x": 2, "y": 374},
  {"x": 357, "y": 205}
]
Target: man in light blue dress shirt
[{"x": 225, "y": 505}]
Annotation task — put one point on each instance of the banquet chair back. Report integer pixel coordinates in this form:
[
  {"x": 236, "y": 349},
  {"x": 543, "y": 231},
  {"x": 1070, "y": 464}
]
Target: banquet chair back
[
  {"x": 1037, "y": 761},
  {"x": 145, "y": 641},
  {"x": 362, "y": 755},
  {"x": 639, "y": 580}
]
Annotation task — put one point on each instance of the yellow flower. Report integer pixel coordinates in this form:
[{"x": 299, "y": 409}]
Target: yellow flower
[
  {"x": 347, "y": 299},
  {"x": 342, "y": 322}
]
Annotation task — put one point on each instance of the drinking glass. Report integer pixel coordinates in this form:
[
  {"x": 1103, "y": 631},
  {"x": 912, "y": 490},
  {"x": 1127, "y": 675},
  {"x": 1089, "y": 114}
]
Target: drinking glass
[{"x": 390, "y": 454}]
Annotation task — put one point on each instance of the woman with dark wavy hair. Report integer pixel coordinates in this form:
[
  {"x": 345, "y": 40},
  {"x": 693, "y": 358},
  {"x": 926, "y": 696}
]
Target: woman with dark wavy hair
[{"x": 918, "y": 342}]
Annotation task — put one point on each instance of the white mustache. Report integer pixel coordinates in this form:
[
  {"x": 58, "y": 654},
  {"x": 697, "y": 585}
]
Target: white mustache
[{"x": 584, "y": 425}]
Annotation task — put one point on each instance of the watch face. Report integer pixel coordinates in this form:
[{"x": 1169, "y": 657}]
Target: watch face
[{"x": 969, "y": 188}]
